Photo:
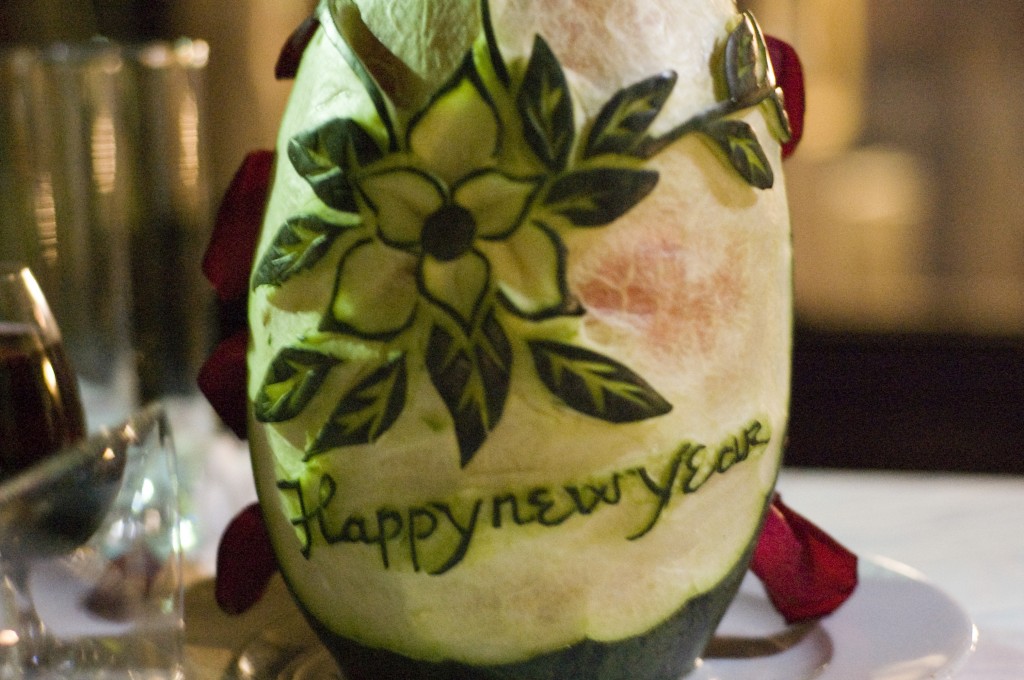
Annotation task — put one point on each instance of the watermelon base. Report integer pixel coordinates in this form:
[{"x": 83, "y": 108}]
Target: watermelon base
[{"x": 666, "y": 652}]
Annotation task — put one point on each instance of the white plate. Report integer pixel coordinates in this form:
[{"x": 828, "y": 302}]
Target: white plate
[{"x": 896, "y": 626}]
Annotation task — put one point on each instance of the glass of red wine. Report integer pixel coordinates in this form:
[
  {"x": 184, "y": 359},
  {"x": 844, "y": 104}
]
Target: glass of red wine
[
  {"x": 90, "y": 553},
  {"x": 40, "y": 410},
  {"x": 97, "y": 527}
]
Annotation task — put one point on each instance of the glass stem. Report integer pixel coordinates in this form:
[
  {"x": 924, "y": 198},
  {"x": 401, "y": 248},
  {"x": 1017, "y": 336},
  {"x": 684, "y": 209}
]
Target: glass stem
[{"x": 32, "y": 634}]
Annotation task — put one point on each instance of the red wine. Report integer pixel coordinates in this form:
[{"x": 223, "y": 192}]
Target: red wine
[{"x": 40, "y": 410}]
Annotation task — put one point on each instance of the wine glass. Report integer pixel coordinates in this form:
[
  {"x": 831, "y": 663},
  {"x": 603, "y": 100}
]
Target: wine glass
[
  {"x": 40, "y": 411},
  {"x": 97, "y": 524}
]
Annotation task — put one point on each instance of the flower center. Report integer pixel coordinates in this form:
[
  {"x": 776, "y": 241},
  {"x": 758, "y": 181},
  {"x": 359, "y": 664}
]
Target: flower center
[{"x": 448, "y": 232}]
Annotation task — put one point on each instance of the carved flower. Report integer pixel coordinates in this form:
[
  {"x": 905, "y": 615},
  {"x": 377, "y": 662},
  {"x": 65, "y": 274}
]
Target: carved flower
[
  {"x": 452, "y": 217},
  {"x": 449, "y": 225}
]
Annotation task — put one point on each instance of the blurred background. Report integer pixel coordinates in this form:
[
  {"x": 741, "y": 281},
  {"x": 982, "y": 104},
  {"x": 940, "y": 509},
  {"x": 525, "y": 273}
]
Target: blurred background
[
  {"x": 908, "y": 206},
  {"x": 908, "y": 229}
]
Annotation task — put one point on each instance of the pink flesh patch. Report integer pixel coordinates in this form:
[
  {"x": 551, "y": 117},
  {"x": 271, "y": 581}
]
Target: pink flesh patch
[{"x": 652, "y": 287}]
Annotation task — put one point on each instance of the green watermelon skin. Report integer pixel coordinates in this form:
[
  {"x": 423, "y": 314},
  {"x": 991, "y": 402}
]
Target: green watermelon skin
[{"x": 667, "y": 652}]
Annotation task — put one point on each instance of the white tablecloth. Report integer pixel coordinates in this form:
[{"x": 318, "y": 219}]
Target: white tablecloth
[{"x": 965, "y": 533}]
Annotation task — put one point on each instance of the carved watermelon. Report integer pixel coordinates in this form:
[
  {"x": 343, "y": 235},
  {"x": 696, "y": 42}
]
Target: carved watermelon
[{"x": 520, "y": 323}]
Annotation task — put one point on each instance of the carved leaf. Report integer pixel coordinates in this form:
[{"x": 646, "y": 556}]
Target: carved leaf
[
  {"x": 595, "y": 385},
  {"x": 622, "y": 122},
  {"x": 472, "y": 376},
  {"x": 744, "y": 62},
  {"x": 299, "y": 245},
  {"x": 324, "y": 155},
  {"x": 737, "y": 141},
  {"x": 597, "y": 196},
  {"x": 545, "y": 106},
  {"x": 292, "y": 380},
  {"x": 367, "y": 411}
]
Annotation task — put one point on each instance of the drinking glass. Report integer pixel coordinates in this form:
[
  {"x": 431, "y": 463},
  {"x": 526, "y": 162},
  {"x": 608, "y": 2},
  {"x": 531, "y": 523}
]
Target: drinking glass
[
  {"x": 89, "y": 542},
  {"x": 96, "y": 527},
  {"x": 40, "y": 410}
]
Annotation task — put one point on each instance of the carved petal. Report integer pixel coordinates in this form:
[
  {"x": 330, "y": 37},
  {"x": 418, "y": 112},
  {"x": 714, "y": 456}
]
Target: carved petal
[
  {"x": 529, "y": 269},
  {"x": 496, "y": 201},
  {"x": 457, "y": 285},
  {"x": 459, "y": 131},
  {"x": 402, "y": 198},
  {"x": 375, "y": 295}
]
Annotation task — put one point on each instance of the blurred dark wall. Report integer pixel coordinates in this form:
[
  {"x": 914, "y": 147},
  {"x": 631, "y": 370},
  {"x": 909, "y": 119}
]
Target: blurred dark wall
[
  {"x": 46, "y": 21},
  {"x": 907, "y": 402},
  {"x": 39, "y": 22},
  {"x": 134, "y": 20},
  {"x": 908, "y": 221}
]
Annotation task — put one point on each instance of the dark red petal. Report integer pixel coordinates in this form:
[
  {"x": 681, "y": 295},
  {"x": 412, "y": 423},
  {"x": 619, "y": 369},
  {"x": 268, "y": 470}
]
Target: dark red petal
[
  {"x": 789, "y": 74},
  {"x": 806, "y": 572},
  {"x": 228, "y": 258},
  {"x": 291, "y": 54},
  {"x": 232, "y": 316},
  {"x": 245, "y": 562},
  {"x": 222, "y": 380}
]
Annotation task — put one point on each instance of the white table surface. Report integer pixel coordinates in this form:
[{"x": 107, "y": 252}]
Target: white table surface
[{"x": 964, "y": 533}]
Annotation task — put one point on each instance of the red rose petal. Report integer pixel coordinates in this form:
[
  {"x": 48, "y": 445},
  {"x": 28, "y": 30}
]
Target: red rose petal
[
  {"x": 232, "y": 317},
  {"x": 806, "y": 573},
  {"x": 245, "y": 562},
  {"x": 291, "y": 54},
  {"x": 228, "y": 258},
  {"x": 222, "y": 381},
  {"x": 789, "y": 74}
]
